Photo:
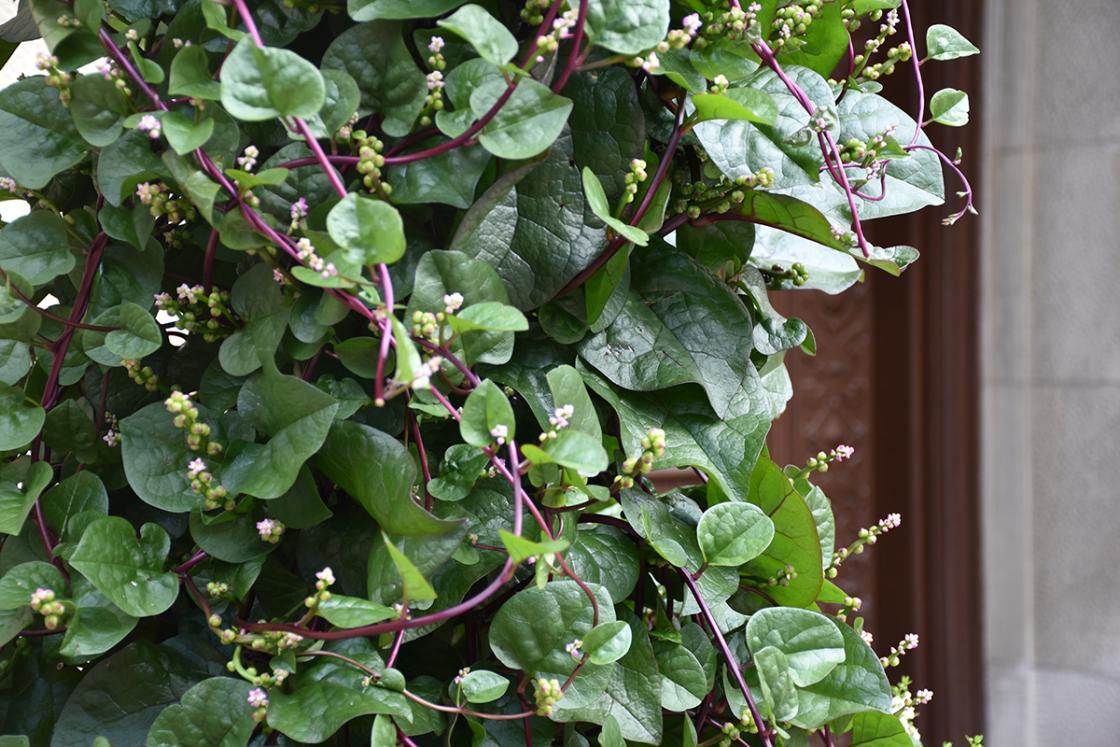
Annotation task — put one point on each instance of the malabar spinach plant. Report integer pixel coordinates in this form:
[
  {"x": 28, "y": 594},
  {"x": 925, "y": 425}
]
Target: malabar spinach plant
[{"x": 339, "y": 345}]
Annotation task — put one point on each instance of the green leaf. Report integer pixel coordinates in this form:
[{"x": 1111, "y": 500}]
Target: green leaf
[
  {"x": 416, "y": 587},
  {"x": 490, "y": 38},
  {"x": 747, "y": 104},
  {"x": 258, "y": 300},
  {"x": 21, "y": 482},
  {"x": 572, "y": 450},
  {"x": 684, "y": 683},
  {"x": 725, "y": 449},
  {"x": 82, "y": 491},
  {"x": 186, "y": 135},
  {"x": 857, "y": 684},
  {"x": 680, "y": 325},
  {"x": 795, "y": 539},
  {"x": 608, "y": 642},
  {"x": 260, "y": 84},
  {"x": 126, "y": 163},
  {"x": 190, "y": 75},
  {"x": 295, "y": 415},
  {"x": 38, "y": 138},
  {"x": 604, "y": 556},
  {"x": 608, "y": 126},
  {"x": 16, "y": 360},
  {"x": 342, "y": 100},
  {"x": 520, "y": 549},
  {"x": 489, "y": 316},
  {"x": 389, "y": 81},
  {"x": 155, "y": 457},
  {"x": 733, "y": 533},
  {"x": 132, "y": 225},
  {"x": 122, "y": 709},
  {"x": 20, "y": 419},
  {"x": 127, "y": 570},
  {"x": 96, "y": 627},
  {"x": 384, "y": 732},
  {"x": 354, "y": 612},
  {"x": 35, "y": 247},
  {"x": 949, "y": 107},
  {"x": 139, "y": 334},
  {"x": 597, "y": 201},
  {"x": 527, "y": 124},
  {"x": 873, "y": 729},
  {"x": 449, "y": 178},
  {"x": 461, "y": 468},
  {"x": 485, "y": 410},
  {"x": 482, "y": 686},
  {"x": 18, "y": 583},
  {"x": 628, "y": 27},
  {"x": 377, "y": 471},
  {"x": 811, "y": 643},
  {"x": 213, "y": 712},
  {"x": 333, "y": 691},
  {"x": 825, "y": 42},
  {"x": 778, "y": 690},
  {"x": 946, "y": 43},
  {"x": 535, "y": 228},
  {"x": 99, "y": 109},
  {"x": 370, "y": 230},
  {"x": 370, "y": 10},
  {"x": 12, "y": 623}
]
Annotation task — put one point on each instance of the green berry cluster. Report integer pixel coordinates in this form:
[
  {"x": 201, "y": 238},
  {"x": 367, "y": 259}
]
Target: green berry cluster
[
  {"x": 161, "y": 203},
  {"x": 186, "y": 418},
  {"x": 783, "y": 577},
  {"x": 653, "y": 447},
  {"x": 699, "y": 198},
  {"x": 53, "y": 610},
  {"x": 199, "y": 312},
  {"x": 547, "y": 693},
  {"x": 792, "y": 22},
  {"x": 56, "y": 77},
  {"x": 733, "y": 24},
  {"x": 634, "y": 177},
  {"x": 533, "y": 12},
  {"x": 144, "y": 376},
  {"x": 368, "y": 148}
]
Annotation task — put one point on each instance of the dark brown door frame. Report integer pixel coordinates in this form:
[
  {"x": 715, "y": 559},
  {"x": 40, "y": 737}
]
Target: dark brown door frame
[{"x": 926, "y": 377}]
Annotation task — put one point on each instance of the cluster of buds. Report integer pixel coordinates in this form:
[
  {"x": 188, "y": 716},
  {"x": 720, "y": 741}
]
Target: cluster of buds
[
  {"x": 650, "y": 63},
  {"x": 112, "y": 435},
  {"x": 426, "y": 325},
  {"x": 573, "y": 649},
  {"x": 108, "y": 70},
  {"x": 422, "y": 377},
  {"x": 458, "y": 680},
  {"x": 682, "y": 37},
  {"x": 270, "y": 530},
  {"x": 653, "y": 446},
  {"x": 142, "y": 375},
  {"x": 796, "y": 274},
  {"x": 869, "y": 152},
  {"x": 370, "y": 160},
  {"x": 905, "y": 707},
  {"x": 731, "y": 733},
  {"x": 199, "y": 312},
  {"x": 698, "y": 198},
  {"x": 783, "y": 577},
  {"x": 900, "y": 53},
  {"x": 186, "y": 415},
  {"x": 53, "y": 611},
  {"x": 214, "y": 496},
  {"x": 820, "y": 462},
  {"x": 298, "y": 213},
  {"x": 305, "y": 251},
  {"x": 452, "y": 302},
  {"x": 906, "y": 645},
  {"x": 560, "y": 419},
  {"x": 56, "y": 77},
  {"x": 499, "y": 433},
  {"x": 735, "y": 23},
  {"x": 867, "y": 536},
  {"x": 720, "y": 84},
  {"x": 533, "y": 12},
  {"x": 547, "y": 693},
  {"x": 162, "y": 203},
  {"x": 433, "y": 102},
  {"x": 151, "y": 125},
  {"x": 346, "y": 131},
  {"x": 850, "y": 606},
  {"x": 323, "y": 580},
  {"x": 217, "y": 590},
  {"x": 258, "y": 701},
  {"x": 634, "y": 177},
  {"x": 248, "y": 158},
  {"x": 549, "y": 43},
  {"x": 792, "y": 22},
  {"x": 8, "y": 184}
]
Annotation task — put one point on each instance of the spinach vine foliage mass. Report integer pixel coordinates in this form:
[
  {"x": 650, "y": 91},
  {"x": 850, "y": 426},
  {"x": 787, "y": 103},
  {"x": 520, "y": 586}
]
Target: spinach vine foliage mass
[{"x": 341, "y": 342}]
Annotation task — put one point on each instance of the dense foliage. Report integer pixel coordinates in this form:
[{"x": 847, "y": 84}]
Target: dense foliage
[{"x": 339, "y": 344}]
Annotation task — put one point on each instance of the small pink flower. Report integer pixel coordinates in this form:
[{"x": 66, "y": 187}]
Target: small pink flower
[
  {"x": 196, "y": 468},
  {"x": 257, "y": 698}
]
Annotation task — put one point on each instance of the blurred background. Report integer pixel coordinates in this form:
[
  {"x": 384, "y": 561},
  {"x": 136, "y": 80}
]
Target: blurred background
[{"x": 982, "y": 390}]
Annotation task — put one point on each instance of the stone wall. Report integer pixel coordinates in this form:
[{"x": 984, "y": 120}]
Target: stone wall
[{"x": 1051, "y": 372}]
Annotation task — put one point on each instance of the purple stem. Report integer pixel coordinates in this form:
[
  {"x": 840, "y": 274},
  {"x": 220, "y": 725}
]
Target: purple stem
[
  {"x": 194, "y": 560},
  {"x": 917, "y": 71},
  {"x": 574, "y": 52},
  {"x": 732, "y": 664}
]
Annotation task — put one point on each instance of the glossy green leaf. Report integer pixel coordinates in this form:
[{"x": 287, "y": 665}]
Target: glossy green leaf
[
  {"x": 35, "y": 247},
  {"x": 354, "y": 612},
  {"x": 259, "y": 84},
  {"x": 778, "y": 690},
  {"x": 155, "y": 457},
  {"x": 129, "y": 571},
  {"x": 597, "y": 201},
  {"x": 733, "y": 533},
  {"x": 747, "y": 104},
  {"x": 138, "y": 336},
  {"x": 810, "y": 642},
  {"x": 874, "y": 729},
  {"x": 486, "y": 412},
  {"x": 628, "y": 28},
  {"x": 607, "y": 643},
  {"x": 370, "y": 10},
  {"x": 482, "y": 686},
  {"x": 858, "y": 684},
  {"x": 21, "y": 482},
  {"x": 376, "y": 471},
  {"x": 38, "y": 138},
  {"x": 99, "y": 109},
  {"x": 20, "y": 418},
  {"x": 191, "y": 76},
  {"x": 490, "y": 38},
  {"x": 257, "y": 300},
  {"x": 213, "y": 712},
  {"x": 416, "y": 587},
  {"x": 946, "y": 43},
  {"x": 96, "y": 627},
  {"x": 371, "y": 230},
  {"x": 19, "y": 583},
  {"x": 527, "y": 124},
  {"x": 683, "y": 681},
  {"x": 186, "y": 135},
  {"x": 520, "y": 548},
  {"x": 949, "y": 107}
]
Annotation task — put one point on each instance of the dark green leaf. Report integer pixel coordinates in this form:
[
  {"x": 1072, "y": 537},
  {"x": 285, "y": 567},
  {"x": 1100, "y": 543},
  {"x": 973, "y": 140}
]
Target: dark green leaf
[
  {"x": 628, "y": 27},
  {"x": 259, "y": 84},
  {"x": 527, "y": 124},
  {"x": 733, "y": 533},
  {"x": 371, "y": 230},
  {"x": 490, "y": 38},
  {"x": 21, "y": 482},
  {"x": 36, "y": 247},
  {"x": 481, "y": 686},
  {"x": 857, "y": 684},
  {"x": 811, "y": 643},
  {"x": 127, "y": 570},
  {"x": 37, "y": 135},
  {"x": 213, "y": 712}
]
